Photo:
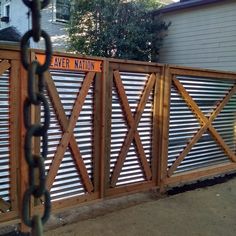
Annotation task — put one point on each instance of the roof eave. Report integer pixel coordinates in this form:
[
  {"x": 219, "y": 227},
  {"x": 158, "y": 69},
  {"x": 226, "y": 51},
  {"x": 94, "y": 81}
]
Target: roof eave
[{"x": 185, "y": 5}]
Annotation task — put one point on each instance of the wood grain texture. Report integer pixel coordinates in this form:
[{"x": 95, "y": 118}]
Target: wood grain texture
[
  {"x": 133, "y": 125},
  {"x": 14, "y": 130},
  {"x": 4, "y": 65},
  {"x": 166, "y": 80},
  {"x": 207, "y": 125},
  {"x": 67, "y": 127}
]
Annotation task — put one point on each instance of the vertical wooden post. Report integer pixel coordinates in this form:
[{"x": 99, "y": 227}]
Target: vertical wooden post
[
  {"x": 14, "y": 130},
  {"x": 155, "y": 130},
  {"x": 159, "y": 120},
  {"x": 165, "y": 116},
  {"x": 97, "y": 145},
  {"x": 101, "y": 86},
  {"x": 106, "y": 127},
  {"x": 23, "y": 168}
]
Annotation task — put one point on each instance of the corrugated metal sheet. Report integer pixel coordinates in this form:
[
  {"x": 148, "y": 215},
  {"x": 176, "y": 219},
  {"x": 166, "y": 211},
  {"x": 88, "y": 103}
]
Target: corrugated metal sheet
[
  {"x": 68, "y": 182},
  {"x": 4, "y": 136},
  {"x": 225, "y": 123},
  {"x": 134, "y": 84},
  {"x": 184, "y": 124}
]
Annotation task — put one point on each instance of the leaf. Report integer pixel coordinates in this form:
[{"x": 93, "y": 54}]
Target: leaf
[{"x": 117, "y": 28}]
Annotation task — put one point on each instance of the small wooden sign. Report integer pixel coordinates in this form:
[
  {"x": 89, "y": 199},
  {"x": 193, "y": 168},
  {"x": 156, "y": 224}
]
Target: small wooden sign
[{"x": 72, "y": 63}]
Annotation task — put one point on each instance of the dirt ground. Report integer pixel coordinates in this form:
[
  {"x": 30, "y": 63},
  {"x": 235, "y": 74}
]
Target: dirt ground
[{"x": 209, "y": 211}]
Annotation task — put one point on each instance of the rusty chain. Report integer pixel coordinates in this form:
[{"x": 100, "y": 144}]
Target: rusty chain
[{"x": 36, "y": 97}]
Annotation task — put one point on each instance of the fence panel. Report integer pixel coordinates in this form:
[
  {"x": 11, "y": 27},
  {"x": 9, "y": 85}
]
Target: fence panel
[
  {"x": 201, "y": 123},
  {"x": 132, "y": 165},
  {"x": 9, "y": 135},
  {"x": 71, "y": 159}
]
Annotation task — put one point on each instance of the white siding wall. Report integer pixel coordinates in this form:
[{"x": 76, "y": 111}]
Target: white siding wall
[
  {"x": 56, "y": 30},
  {"x": 18, "y": 15},
  {"x": 202, "y": 37},
  {"x": 20, "y": 20}
]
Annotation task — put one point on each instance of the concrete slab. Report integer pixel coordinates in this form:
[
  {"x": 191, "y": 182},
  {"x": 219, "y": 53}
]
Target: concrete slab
[{"x": 209, "y": 211}]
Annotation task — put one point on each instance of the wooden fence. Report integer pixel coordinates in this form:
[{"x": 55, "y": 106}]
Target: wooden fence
[{"x": 117, "y": 127}]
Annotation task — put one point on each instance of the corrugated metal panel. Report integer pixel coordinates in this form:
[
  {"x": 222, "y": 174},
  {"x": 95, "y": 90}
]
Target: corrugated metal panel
[
  {"x": 184, "y": 124},
  {"x": 134, "y": 84},
  {"x": 4, "y": 137},
  {"x": 225, "y": 123},
  {"x": 68, "y": 182}
]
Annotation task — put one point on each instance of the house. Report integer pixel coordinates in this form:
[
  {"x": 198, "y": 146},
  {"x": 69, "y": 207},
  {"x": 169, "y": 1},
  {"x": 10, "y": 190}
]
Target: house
[
  {"x": 13, "y": 13},
  {"x": 202, "y": 34}
]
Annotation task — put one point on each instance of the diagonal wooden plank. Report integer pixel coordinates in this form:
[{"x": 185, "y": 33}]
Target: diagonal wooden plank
[
  {"x": 195, "y": 107},
  {"x": 63, "y": 121},
  {"x": 143, "y": 101},
  {"x": 133, "y": 123},
  {"x": 131, "y": 132},
  {"x": 4, "y": 65},
  {"x": 67, "y": 137},
  {"x": 200, "y": 132},
  {"x": 145, "y": 96},
  {"x": 207, "y": 125},
  {"x": 214, "y": 114},
  {"x": 4, "y": 206},
  {"x": 56, "y": 100},
  {"x": 222, "y": 104},
  {"x": 214, "y": 132},
  {"x": 189, "y": 100},
  {"x": 187, "y": 149},
  {"x": 222, "y": 143}
]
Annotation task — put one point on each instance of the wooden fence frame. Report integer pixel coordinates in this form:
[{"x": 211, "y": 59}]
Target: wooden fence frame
[
  {"x": 93, "y": 189},
  {"x": 164, "y": 76},
  {"x": 11, "y": 58},
  {"x": 113, "y": 67},
  {"x": 206, "y": 172}
]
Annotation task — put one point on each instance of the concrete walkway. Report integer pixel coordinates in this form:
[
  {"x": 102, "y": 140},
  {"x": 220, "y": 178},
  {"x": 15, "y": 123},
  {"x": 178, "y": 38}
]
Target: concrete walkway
[{"x": 209, "y": 211}]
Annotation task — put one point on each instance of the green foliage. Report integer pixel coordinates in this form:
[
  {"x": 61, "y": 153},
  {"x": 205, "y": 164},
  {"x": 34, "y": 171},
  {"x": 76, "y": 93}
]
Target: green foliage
[{"x": 116, "y": 28}]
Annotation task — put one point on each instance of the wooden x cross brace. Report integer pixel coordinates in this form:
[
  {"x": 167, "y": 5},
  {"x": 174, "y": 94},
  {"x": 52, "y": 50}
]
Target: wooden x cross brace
[
  {"x": 4, "y": 65},
  {"x": 207, "y": 124},
  {"x": 133, "y": 125},
  {"x": 68, "y": 126}
]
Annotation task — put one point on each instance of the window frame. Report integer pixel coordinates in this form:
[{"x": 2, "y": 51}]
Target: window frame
[
  {"x": 5, "y": 9},
  {"x": 55, "y": 18}
]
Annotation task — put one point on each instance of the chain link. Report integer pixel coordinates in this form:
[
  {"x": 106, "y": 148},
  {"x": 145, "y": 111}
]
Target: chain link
[
  {"x": 37, "y": 98},
  {"x": 28, "y": 3},
  {"x": 25, "y": 46}
]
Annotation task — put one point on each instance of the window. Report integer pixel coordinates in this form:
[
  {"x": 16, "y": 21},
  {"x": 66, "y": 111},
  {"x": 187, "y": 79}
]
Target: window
[
  {"x": 4, "y": 13},
  {"x": 7, "y": 10},
  {"x": 62, "y": 10}
]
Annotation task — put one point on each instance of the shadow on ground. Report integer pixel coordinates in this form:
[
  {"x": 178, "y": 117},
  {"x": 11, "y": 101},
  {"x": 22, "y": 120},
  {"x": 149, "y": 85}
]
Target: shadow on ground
[{"x": 204, "y": 208}]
